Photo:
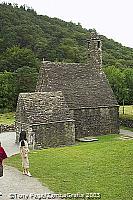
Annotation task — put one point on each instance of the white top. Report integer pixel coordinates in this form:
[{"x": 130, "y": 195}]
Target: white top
[{"x": 24, "y": 150}]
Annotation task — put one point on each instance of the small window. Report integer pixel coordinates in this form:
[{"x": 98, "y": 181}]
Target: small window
[
  {"x": 88, "y": 44},
  {"x": 98, "y": 44}
]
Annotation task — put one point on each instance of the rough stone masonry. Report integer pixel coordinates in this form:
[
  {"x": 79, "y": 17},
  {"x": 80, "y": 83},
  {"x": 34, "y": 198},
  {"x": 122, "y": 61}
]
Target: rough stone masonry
[{"x": 72, "y": 100}]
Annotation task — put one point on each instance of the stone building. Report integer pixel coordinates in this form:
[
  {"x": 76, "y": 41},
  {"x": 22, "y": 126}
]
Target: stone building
[
  {"x": 86, "y": 93},
  {"x": 46, "y": 118}
]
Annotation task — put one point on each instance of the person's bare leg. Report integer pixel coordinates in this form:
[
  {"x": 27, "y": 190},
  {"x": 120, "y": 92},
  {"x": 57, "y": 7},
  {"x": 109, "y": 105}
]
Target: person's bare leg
[
  {"x": 24, "y": 171},
  {"x": 28, "y": 173}
]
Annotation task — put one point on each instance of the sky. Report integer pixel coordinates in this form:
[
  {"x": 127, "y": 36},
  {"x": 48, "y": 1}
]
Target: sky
[{"x": 111, "y": 18}]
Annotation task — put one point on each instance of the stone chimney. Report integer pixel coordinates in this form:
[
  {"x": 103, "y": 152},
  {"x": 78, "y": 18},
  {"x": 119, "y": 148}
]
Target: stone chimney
[{"x": 94, "y": 50}]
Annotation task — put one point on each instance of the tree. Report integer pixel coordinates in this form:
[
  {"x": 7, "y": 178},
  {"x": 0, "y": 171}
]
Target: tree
[
  {"x": 11, "y": 84},
  {"x": 117, "y": 81},
  {"x": 8, "y": 95},
  {"x": 128, "y": 76},
  {"x": 17, "y": 57},
  {"x": 26, "y": 79}
]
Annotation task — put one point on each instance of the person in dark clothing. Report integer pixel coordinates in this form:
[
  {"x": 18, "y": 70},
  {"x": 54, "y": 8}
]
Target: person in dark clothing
[{"x": 3, "y": 156}]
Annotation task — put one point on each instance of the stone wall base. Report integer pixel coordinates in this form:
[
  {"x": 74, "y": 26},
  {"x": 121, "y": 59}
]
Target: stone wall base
[
  {"x": 7, "y": 128},
  {"x": 126, "y": 122},
  {"x": 96, "y": 121},
  {"x": 54, "y": 134}
]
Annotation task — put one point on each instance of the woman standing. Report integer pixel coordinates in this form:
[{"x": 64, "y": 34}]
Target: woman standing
[
  {"x": 2, "y": 157},
  {"x": 24, "y": 150}
]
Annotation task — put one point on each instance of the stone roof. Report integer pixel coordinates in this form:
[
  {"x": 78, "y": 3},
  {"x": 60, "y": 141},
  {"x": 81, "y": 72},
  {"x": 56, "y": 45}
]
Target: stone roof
[
  {"x": 83, "y": 85},
  {"x": 44, "y": 107}
]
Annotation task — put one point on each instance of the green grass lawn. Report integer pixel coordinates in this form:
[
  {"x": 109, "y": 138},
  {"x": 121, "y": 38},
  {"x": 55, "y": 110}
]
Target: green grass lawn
[
  {"x": 105, "y": 166},
  {"x": 7, "y": 118},
  {"x": 128, "y": 112}
]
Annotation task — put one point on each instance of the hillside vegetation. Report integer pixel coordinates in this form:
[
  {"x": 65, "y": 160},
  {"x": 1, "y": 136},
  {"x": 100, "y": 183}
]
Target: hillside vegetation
[{"x": 26, "y": 38}]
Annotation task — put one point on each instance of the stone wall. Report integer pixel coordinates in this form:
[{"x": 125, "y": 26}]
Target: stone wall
[
  {"x": 96, "y": 121},
  {"x": 95, "y": 50},
  {"x": 126, "y": 122},
  {"x": 21, "y": 119},
  {"x": 43, "y": 108},
  {"x": 7, "y": 128},
  {"x": 54, "y": 134}
]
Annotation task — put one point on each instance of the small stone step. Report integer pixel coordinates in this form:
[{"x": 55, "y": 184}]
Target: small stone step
[{"x": 87, "y": 139}]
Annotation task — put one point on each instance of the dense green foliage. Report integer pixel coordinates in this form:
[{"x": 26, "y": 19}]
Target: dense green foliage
[
  {"x": 104, "y": 166},
  {"x": 54, "y": 39},
  {"x": 16, "y": 57},
  {"x": 26, "y": 38},
  {"x": 121, "y": 81},
  {"x": 12, "y": 83}
]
